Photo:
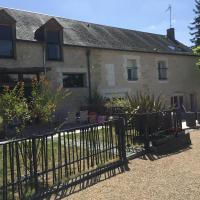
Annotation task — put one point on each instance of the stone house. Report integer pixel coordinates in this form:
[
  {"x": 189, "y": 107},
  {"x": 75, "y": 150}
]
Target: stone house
[{"x": 84, "y": 56}]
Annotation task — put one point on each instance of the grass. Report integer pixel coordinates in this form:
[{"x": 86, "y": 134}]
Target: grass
[{"x": 73, "y": 153}]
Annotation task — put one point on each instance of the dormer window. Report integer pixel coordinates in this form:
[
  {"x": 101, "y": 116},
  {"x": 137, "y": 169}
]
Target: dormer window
[
  {"x": 6, "y": 41},
  {"x": 53, "y": 44}
]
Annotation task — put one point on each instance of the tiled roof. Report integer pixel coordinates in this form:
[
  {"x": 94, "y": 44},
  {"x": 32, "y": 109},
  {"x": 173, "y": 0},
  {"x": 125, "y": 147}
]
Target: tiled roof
[{"x": 86, "y": 34}]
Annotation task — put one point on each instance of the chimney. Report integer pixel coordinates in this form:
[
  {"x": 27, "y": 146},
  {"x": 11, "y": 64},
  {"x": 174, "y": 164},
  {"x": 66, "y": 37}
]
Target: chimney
[{"x": 171, "y": 34}]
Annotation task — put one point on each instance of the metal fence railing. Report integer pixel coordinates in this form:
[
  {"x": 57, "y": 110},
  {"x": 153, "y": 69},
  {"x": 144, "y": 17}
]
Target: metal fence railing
[{"x": 34, "y": 166}]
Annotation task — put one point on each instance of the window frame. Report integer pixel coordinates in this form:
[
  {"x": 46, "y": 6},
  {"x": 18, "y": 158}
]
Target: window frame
[
  {"x": 160, "y": 68},
  {"x": 54, "y": 43},
  {"x": 12, "y": 55},
  {"x": 73, "y": 74},
  {"x": 132, "y": 68}
]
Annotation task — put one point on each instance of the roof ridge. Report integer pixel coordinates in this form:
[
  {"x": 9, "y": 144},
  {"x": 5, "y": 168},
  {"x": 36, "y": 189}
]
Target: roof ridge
[
  {"x": 92, "y": 23},
  {"x": 98, "y": 36}
]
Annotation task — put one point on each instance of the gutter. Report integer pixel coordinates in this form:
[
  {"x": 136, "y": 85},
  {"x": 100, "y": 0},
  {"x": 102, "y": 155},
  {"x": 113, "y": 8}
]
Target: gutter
[
  {"x": 123, "y": 50},
  {"x": 88, "y": 53},
  {"x": 44, "y": 59}
]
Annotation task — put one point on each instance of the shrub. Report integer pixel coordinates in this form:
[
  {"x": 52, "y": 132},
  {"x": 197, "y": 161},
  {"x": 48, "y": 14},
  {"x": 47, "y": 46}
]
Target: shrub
[
  {"x": 44, "y": 100},
  {"x": 14, "y": 107},
  {"x": 146, "y": 103},
  {"x": 139, "y": 103},
  {"x": 122, "y": 105}
]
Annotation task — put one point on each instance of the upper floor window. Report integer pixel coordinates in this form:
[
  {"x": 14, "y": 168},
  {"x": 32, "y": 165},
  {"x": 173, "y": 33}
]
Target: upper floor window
[
  {"x": 6, "y": 41},
  {"x": 53, "y": 45},
  {"x": 162, "y": 70},
  {"x": 72, "y": 80},
  {"x": 132, "y": 70}
]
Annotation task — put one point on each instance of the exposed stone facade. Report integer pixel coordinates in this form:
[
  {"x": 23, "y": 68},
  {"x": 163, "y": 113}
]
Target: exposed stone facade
[{"x": 183, "y": 78}]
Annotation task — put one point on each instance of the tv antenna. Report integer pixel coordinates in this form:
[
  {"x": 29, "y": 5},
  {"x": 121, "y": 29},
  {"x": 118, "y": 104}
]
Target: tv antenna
[{"x": 170, "y": 14}]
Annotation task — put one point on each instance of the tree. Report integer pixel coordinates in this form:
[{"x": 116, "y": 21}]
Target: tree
[{"x": 195, "y": 25}]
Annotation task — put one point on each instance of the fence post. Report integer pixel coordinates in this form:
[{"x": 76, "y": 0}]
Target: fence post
[
  {"x": 34, "y": 153},
  {"x": 145, "y": 123},
  {"x": 4, "y": 172},
  {"x": 120, "y": 131}
]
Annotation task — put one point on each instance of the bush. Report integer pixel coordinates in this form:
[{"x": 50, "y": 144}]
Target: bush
[
  {"x": 14, "y": 107},
  {"x": 146, "y": 103},
  {"x": 44, "y": 100},
  {"x": 139, "y": 103},
  {"x": 17, "y": 111}
]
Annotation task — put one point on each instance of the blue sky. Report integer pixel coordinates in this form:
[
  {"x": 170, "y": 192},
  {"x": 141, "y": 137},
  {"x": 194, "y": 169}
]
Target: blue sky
[{"x": 143, "y": 15}]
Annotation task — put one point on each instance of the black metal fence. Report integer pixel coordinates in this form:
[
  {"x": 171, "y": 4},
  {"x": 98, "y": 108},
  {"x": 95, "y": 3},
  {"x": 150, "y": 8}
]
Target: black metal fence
[
  {"x": 141, "y": 129},
  {"x": 33, "y": 167}
]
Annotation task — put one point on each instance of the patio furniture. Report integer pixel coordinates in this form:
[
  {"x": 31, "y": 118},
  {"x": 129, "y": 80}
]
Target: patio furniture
[
  {"x": 190, "y": 119},
  {"x": 101, "y": 118},
  {"x": 198, "y": 117},
  {"x": 83, "y": 116},
  {"x": 93, "y": 117},
  {"x": 71, "y": 118}
]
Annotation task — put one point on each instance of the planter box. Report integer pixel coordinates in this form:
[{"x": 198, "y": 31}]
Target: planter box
[{"x": 172, "y": 144}]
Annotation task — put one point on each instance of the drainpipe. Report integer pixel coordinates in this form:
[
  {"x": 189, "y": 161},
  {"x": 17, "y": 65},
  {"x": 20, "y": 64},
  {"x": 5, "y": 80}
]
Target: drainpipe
[
  {"x": 44, "y": 58},
  {"x": 44, "y": 53},
  {"x": 88, "y": 53}
]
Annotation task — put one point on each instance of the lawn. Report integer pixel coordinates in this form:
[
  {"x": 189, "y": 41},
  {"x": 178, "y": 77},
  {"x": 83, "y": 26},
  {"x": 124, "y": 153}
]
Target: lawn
[{"x": 82, "y": 152}]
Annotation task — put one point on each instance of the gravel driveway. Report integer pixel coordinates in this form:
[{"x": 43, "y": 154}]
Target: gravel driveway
[{"x": 169, "y": 178}]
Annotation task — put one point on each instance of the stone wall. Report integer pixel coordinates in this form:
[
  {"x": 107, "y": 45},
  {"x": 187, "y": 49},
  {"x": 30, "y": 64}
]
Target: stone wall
[{"x": 182, "y": 75}]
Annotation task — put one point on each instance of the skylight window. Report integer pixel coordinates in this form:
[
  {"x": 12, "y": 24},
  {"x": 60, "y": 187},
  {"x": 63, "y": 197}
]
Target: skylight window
[{"x": 171, "y": 47}]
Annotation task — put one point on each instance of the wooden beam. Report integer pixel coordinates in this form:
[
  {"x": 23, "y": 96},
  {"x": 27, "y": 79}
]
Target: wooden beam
[{"x": 19, "y": 70}]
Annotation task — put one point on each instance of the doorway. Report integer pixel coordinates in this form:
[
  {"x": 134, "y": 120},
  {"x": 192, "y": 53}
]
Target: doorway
[{"x": 177, "y": 101}]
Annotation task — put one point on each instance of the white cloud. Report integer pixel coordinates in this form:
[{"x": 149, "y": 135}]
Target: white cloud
[{"x": 152, "y": 27}]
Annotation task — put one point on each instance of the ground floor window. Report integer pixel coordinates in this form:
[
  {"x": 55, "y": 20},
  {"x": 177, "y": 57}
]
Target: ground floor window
[
  {"x": 74, "y": 80},
  {"x": 11, "y": 79}
]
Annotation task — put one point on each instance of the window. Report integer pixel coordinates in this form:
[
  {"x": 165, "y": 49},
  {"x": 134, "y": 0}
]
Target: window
[
  {"x": 53, "y": 45},
  {"x": 73, "y": 80},
  {"x": 162, "y": 70},
  {"x": 132, "y": 70},
  {"x": 6, "y": 41}
]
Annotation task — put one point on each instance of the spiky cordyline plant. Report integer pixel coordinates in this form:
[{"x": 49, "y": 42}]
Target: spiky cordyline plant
[{"x": 145, "y": 103}]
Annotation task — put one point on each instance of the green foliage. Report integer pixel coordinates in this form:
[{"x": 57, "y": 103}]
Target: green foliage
[
  {"x": 196, "y": 51},
  {"x": 97, "y": 99},
  {"x": 145, "y": 102},
  {"x": 44, "y": 100},
  {"x": 14, "y": 107},
  {"x": 122, "y": 104},
  {"x": 195, "y": 25},
  {"x": 16, "y": 110},
  {"x": 96, "y": 103},
  {"x": 139, "y": 103}
]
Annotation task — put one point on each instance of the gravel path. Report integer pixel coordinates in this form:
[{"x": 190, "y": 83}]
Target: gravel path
[{"x": 176, "y": 177}]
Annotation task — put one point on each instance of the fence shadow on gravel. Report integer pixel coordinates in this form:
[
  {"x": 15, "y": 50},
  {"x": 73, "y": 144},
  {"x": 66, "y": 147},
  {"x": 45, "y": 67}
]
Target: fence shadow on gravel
[{"x": 65, "y": 192}]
